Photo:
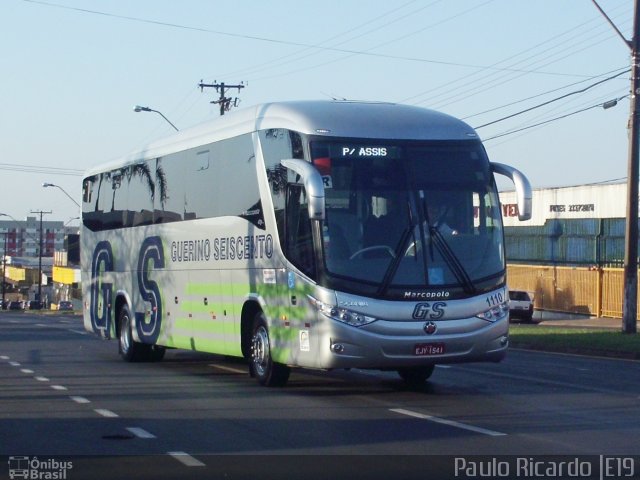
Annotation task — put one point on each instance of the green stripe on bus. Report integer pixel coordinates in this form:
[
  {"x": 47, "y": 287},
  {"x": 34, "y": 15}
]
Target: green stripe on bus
[{"x": 199, "y": 306}]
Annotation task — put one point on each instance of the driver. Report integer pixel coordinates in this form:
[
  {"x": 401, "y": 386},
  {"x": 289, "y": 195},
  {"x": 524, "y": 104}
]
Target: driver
[{"x": 436, "y": 217}]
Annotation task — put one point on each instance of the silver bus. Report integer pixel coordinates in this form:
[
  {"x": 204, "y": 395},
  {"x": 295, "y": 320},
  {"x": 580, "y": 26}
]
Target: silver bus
[{"x": 315, "y": 234}]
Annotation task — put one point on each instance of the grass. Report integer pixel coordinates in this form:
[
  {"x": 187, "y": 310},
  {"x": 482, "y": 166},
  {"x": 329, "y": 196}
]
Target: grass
[{"x": 588, "y": 341}]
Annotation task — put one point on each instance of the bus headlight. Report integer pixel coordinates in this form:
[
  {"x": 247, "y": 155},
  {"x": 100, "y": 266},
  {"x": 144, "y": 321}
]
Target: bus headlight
[
  {"x": 343, "y": 315},
  {"x": 496, "y": 313}
]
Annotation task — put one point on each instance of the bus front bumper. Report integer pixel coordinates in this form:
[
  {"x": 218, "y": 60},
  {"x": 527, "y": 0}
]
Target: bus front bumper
[{"x": 389, "y": 345}]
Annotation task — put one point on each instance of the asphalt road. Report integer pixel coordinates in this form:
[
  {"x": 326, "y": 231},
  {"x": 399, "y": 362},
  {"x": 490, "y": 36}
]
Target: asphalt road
[{"x": 65, "y": 394}]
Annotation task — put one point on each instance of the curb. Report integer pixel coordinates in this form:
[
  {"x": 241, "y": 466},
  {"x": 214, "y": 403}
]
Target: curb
[{"x": 586, "y": 352}]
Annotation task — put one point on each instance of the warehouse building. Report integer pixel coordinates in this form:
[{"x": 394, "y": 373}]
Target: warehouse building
[{"x": 570, "y": 254}]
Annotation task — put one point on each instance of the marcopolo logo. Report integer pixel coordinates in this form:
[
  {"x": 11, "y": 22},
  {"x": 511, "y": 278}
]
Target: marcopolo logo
[{"x": 38, "y": 469}]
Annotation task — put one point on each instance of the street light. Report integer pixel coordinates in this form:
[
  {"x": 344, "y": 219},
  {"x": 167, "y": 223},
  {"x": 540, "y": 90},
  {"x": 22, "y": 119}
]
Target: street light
[
  {"x": 138, "y": 108},
  {"x": 45, "y": 185}
]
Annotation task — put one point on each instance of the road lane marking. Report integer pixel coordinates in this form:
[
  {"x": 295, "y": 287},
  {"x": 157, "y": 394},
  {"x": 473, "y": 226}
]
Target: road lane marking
[
  {"x": 14, "y": 364},
  {"x": 450, "y": 423},
  {"x": 186, "y": 459},
  {"x": 41, "y": 379},
  {"x": 28, "y": 371},
  {"x": 106, "y": 413},
  {"x": 58, "y": 387},
  {"x": 80, "y": 399},
  {"x": 4, "y": 357},
  {"x": 79, "y": 332},
  {"x": 140, "y": 432},
  {"x": 228, "y": 369}
]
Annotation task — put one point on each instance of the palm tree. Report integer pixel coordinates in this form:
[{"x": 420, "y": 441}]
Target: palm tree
[
  {"x": 143, "y": 171},
  {"x": 161, "y": 179}
]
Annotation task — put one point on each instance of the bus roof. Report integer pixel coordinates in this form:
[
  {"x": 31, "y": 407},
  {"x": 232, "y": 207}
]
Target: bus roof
[{"x": 322, "y": 117}]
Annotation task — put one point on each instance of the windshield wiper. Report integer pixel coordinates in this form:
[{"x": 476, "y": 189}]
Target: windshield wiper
[
  {"x": 448, "y": 255},
  {"x": 451, "y": 260},
  {"x": 399, "y": 255}
]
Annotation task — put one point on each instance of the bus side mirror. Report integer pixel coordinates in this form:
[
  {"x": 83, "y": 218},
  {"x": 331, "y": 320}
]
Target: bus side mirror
[
  {"x": 313, "y": 185},
  {"x": 523, "y": 188}
]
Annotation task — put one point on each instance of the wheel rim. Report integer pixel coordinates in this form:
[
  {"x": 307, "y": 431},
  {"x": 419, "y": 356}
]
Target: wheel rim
[
  {"x": 125, "y": 334},
  {"x": 260, "y": 350}
]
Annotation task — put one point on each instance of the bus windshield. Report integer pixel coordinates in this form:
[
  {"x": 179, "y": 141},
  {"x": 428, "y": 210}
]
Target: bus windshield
[{"x": 410, "y": 215}]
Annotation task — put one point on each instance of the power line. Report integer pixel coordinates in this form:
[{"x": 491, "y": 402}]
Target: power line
[
  {"x": 558, "y": 41},
  {"x": 510, "y": 132},
  {"x": 16, "y": 167},
  {"x": 297, "y": 56},
  {"x": 553, "y": 100},
  {"x": 541, "y": 119},
  {"x": 537, "y": 95},
  {"x": 291, "y": 43},
  {"x": 370, "y": 49},
  {"x": 493, "y": 83}
]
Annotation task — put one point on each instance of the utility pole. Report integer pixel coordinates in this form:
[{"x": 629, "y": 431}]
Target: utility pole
[
  {"x": 39, "y": 299},
  {"x": 223, "y": 100},
  {"x": 630, "y": 301},
  {"x": 4, "y": 270}
]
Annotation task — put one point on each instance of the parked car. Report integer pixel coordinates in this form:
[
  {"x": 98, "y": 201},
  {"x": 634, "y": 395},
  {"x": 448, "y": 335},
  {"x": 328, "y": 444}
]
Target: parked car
[
  {"x": 65, "y": 305},
  {"x": 16, "y": 305},
  {"x": 520, "y": 305},
  {"x": 34, "y": 305}
]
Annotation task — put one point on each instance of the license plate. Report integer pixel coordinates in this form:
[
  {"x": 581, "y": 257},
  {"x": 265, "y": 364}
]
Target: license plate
[{"x": 426, "y": 349}]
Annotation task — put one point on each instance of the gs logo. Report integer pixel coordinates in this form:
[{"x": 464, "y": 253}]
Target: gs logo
[
  {"x": 432, "y": 311},
  {"x": 151, "y": 257}
]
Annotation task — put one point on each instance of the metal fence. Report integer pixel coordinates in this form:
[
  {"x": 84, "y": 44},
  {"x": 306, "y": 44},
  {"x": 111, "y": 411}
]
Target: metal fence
[{"x": 585, "y": 290}]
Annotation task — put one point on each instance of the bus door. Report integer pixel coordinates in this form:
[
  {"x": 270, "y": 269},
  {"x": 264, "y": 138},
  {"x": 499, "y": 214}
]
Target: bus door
[{"x": 301, "y": 268}]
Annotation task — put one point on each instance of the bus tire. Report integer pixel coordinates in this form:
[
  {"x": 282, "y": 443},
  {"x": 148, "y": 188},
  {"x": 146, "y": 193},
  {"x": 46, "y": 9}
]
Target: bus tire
[
  {"x": 261, "y": 365},
  {"x": 156, "y": 353},
  {"x": 129, "y": 349},
  {"x": 416, "y": 376}
]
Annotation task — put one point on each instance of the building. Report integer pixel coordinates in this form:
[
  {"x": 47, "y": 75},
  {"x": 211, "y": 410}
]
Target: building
[
  {"x": 571, "y": 252},
  {"x": 23, "y": 237},
  {"x": 571, "y": 226},
  {"x": 21, "y": 263}
]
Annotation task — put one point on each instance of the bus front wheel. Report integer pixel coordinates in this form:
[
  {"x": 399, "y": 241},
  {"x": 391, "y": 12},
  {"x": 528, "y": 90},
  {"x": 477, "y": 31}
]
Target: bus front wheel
[
  {"x": 262, "y": 366},
  {"x": 416, "y": 376}
]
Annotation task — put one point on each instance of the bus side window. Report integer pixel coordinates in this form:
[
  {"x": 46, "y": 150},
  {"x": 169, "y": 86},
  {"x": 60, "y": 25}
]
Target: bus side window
[{"x": 299, "y": 245}]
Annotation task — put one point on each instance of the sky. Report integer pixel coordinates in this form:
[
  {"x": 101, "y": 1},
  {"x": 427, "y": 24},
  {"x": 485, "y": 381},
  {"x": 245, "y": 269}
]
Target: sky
[{"x": 73, "y": 70}]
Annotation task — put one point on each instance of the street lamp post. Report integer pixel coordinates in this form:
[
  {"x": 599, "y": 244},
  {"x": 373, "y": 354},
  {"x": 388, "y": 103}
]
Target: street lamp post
[
  {"x": 45, "y": 185},
  {"x": 138, "y": 108}
]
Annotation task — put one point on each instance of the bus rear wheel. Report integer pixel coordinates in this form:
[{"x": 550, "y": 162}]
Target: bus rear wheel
[
  {"x": 262, "y": 366},
  {"x": 129, "y": 349},
  {"x": 416, "y": 376}
]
